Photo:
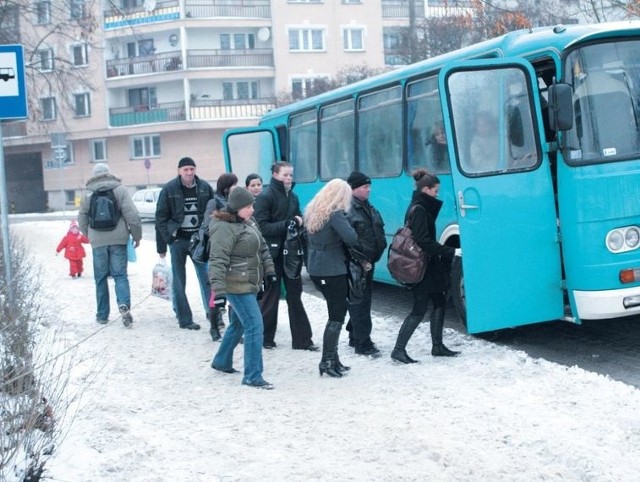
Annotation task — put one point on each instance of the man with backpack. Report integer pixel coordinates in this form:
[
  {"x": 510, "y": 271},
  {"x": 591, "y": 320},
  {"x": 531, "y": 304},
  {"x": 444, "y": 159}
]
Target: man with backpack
[{"x": 109, "y": 217}]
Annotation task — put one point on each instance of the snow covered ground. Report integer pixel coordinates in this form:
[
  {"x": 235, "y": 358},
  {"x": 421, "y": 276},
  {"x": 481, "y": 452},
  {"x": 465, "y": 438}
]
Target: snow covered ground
[{"x": 156, "y": 411}]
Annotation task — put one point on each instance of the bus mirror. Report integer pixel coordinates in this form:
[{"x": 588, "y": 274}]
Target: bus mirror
[{"x": 560, "y": 107}]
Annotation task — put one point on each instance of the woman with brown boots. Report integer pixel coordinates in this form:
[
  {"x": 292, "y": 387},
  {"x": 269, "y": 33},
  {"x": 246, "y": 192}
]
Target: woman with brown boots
[{"x": 422, "y": 221}]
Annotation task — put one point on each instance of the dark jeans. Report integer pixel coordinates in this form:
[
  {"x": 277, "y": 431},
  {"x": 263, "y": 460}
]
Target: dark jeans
[
  {"x": 179, "y": 253},
  {"x": 298, "y": 319},
  {"x": 360, "y": 324},
  {"x": 334, "y": 289}
]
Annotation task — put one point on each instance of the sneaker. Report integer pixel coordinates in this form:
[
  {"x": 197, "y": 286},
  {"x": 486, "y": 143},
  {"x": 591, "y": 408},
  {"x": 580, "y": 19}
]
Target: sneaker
[
  {"x": 102, "y": 321},
  {"x": 225, "y": 370},
  {"x": 269, "y": 345},
  {"x": 127, "y": 319},
  {"x": 262, "y": 384},
  {"x": 190, "y": 326},
  {"x": 311, "y": 347},
  {"x": 371, "y": 351}
]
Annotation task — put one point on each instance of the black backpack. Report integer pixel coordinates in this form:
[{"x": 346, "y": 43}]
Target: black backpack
[{"x": 103, "y": 211}]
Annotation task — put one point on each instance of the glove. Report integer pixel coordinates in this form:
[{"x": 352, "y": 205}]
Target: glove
[
  {"x": 219, "y": 302},
  {"x": 458, "y": 252},
  {"x": 270, "y": 278}
]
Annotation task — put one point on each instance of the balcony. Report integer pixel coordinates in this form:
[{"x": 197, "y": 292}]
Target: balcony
[
  {"x": 212, "y": 109},
  {"x": 227, "y": 8},
  {"x": 127, "y": 17},
  {"x": 401, "y": 8},
  {"x": 143, "y": 114},
  {"x": 164, "y": 62},
  {"x": 199, "y": 59}
]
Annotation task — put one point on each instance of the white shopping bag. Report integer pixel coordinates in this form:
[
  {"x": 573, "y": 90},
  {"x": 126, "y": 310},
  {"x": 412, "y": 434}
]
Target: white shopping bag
[{"x": 161, "y": 283}]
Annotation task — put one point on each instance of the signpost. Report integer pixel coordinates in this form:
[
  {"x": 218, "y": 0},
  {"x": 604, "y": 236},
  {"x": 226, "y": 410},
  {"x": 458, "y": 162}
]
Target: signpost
[
  {"x": 59, "y": 148},
  {"x": 147, "y": 166},
  {"x": 13, "y": 105}
]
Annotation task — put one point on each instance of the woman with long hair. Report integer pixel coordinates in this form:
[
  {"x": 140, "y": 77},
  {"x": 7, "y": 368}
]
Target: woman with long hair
[
  {"x": 330, "y": 235},
  {"x": 421, "y": 215},
  {"x": 276, "y": 208}
]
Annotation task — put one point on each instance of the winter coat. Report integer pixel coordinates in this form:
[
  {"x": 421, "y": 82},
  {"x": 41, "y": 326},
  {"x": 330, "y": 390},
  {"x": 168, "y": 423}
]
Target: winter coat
[
  {"x": 72, "y": 245},
  {"x": 423, "y": 227},
  {"x": 170, "y": 207},
  {"x": 327, "y": 254},
  {"x": 238, "y": 255},
  {"x": 367, "y": 222},
  {"x": 129, "y": 223},
  {"x": 273, "y": 208}
]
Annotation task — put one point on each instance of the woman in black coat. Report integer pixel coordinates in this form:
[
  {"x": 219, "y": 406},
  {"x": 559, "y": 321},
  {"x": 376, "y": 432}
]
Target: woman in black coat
[
  {"x": 422, "y": 221},
  {"x": 330, "y": 235},
  {"x": 275, "y": 209}
]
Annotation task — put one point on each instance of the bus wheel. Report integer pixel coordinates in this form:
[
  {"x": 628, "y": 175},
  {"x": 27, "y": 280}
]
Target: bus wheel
[{"x": 457, "y": 291}]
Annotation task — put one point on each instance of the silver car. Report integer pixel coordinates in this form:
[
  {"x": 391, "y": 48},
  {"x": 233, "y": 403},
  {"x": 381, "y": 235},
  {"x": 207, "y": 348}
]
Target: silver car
[{"x": 146, "y": 201}]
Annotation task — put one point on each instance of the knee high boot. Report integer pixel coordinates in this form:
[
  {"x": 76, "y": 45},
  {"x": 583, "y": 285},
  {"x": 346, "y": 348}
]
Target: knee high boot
[
  {"x": 330, "y": 339},
  {"x": 437, "y": 326},
  {"x": 215, "y": 318},
  {"x": 399, "y": 352}
]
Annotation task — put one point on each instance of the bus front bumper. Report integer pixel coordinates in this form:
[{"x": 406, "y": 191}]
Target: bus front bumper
[{"x": 600, "y": 305}]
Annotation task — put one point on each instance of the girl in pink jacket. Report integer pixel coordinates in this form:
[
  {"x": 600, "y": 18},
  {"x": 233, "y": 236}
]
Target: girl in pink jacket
[{"x": 73, "y": 249}]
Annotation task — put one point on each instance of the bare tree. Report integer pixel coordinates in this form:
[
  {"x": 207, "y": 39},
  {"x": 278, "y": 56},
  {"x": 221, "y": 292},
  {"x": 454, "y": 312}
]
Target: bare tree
[{"x": 58, "y": 41}]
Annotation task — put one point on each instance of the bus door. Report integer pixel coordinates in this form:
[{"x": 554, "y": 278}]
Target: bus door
[
  {"x": 504, "y": 194},
  {"x": 250, "y": 150}
]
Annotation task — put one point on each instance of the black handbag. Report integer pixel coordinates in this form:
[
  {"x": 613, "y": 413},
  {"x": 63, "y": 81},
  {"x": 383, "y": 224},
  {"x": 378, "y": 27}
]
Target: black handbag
[
  {"x": 293, "y": 252},
  {"x": 199, "y": 247}
]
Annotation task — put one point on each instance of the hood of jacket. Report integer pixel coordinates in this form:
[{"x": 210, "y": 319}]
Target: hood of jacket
[{"x": 103, "y": 182}]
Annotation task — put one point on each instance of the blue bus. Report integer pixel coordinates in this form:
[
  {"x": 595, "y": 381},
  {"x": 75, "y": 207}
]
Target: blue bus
[{"x": 535, "y": 137}]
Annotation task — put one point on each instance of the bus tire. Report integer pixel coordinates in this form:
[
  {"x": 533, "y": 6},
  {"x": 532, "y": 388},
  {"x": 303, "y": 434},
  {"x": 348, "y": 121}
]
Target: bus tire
[{"x": 457, "y": 291}]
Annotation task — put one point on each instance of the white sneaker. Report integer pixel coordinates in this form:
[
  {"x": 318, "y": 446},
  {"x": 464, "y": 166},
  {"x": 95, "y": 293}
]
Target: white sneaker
[{"x": 127, "y": 319}]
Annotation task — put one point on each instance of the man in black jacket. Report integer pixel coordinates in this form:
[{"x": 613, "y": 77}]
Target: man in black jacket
[
  {"x": 179, "y": 213},
  {"x": 367, "y": 222}
]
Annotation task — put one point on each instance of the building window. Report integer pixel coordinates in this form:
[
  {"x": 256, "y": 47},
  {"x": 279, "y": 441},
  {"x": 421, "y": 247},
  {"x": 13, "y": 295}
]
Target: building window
[
  {"x": 145, "y": 146},
  {"x": 304, "y": 1},
  {"x": 143, "y": 98},
  {"x": 353, "y": 39},
  {"x": 45, "y": 57},
  {"x": 48, "y": 108},
  {"x": 98, "y": 150},
  {"x": 43, "y": 13},
  {"x": 70, "y": 197},
  {"x": 306, "y": 39},
  {"x": 237, "y": 41},
  {"x": 80, "y": 54},
  {"x": 239, "y": 90},
  {"x": 351, "y": 1},
  {"x": 82, "y": 104},
  {"x": 306, "y": 87},
  {"x": 76, "y": 9}
]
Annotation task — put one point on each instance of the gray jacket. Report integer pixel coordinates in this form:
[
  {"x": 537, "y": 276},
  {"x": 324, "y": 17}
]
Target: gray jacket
[
  {"x": 327, "y": 254},
  {"x": 129, "y": 223}
]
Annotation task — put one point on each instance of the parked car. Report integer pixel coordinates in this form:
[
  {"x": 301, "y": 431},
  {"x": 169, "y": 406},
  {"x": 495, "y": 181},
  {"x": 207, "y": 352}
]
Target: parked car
[{"x": 146, "y": 201}]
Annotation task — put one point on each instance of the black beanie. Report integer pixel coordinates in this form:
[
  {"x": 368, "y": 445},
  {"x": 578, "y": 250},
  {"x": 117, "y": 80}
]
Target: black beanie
[
  {"x": 357, "y": 179},
  {"x": 240, "y": 198},
  {"x": 186, "y": 161}
]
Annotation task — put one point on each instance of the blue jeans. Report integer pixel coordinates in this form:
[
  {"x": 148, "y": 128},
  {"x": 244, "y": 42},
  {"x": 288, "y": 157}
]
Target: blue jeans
[
  {"x": 179, "y": 253},
  {"x": 244, "y": 316},
  {"x": 110, "y": 260}
]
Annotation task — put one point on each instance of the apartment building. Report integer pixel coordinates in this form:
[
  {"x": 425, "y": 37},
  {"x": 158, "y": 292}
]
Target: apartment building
[{"x": 166, "y": 78}]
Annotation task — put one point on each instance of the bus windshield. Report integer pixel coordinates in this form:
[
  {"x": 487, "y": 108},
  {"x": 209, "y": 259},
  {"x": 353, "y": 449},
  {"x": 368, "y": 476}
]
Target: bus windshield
[{"x": 606, "y": 99}]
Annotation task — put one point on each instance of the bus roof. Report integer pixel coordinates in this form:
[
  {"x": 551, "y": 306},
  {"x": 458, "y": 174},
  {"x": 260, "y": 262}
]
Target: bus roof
[{"x": 517, "y": 43}]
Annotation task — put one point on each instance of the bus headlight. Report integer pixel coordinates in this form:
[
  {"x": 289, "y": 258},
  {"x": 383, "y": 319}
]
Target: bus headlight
[
  {"x": 615, "y": 241},
  {"x": 631, "y": 237},
  {"x": 623, "y": 239}
]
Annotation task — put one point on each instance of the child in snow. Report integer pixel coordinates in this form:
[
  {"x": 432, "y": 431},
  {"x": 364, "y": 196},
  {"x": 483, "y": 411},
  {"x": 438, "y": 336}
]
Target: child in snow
[{"x": 73, "y": 250}]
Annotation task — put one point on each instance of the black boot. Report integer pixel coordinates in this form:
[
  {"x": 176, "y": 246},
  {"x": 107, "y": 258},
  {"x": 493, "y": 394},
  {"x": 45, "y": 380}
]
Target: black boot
[
  {"x": 215, "y": 318},
  {"x": 399, "y": 352},
  {"x": 437, "y": 326},
  {"x": 342, "y": 368},
  {"x": 330, "y": 350}
]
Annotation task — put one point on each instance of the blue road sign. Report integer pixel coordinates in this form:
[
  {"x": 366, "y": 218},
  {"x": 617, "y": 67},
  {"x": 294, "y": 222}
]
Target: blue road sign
[{"x": 13, "y": 94}]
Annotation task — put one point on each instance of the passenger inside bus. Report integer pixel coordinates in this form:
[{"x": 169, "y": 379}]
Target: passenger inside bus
[
  {"x": 483, "y": 149},
  {"x": 437, "y": 148}
]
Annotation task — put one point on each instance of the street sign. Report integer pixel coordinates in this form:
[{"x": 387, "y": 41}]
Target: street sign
[
  {"x": 147, "y": 164},
  {"x": 13, "y": 95}
]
